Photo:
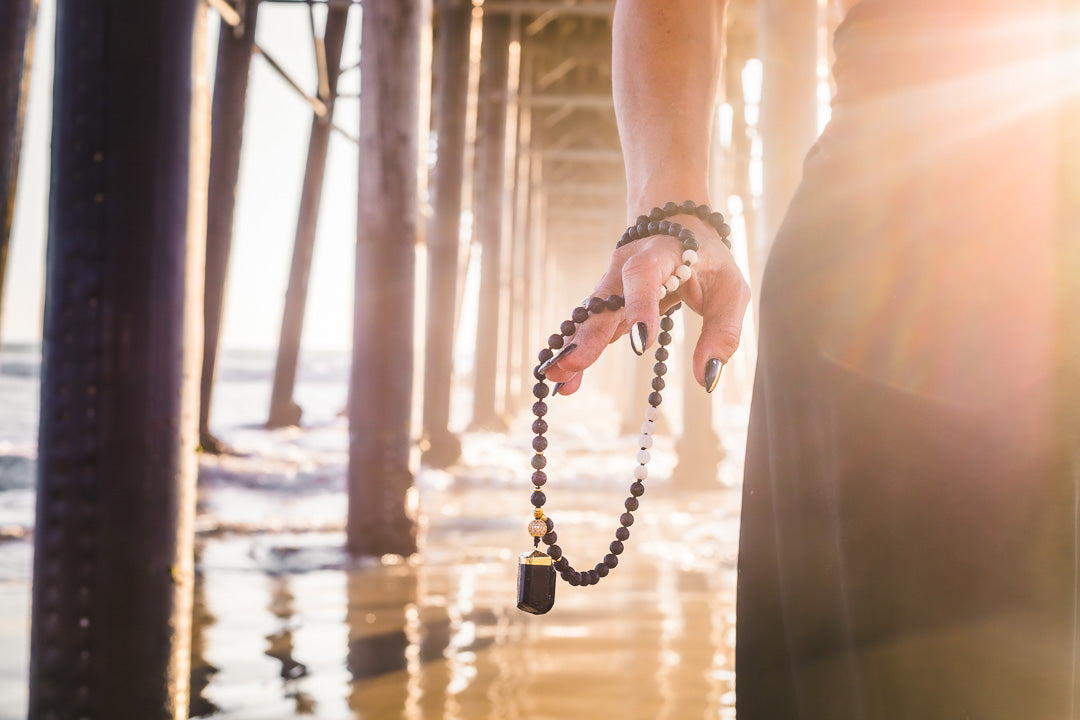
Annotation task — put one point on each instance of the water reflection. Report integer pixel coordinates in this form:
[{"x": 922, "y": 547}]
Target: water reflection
[
  {"x": 202, "y": 672},
  {"x": 288, "y": 626},
  {"x": 281, "y": 645}
]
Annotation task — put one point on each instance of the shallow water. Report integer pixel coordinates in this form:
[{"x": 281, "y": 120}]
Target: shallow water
[
  {"x": 288, "y": 626},
  {"x": 296, "y": 629}
]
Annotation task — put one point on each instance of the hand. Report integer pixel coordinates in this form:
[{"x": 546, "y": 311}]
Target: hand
[{"x": 716, "y": 290}]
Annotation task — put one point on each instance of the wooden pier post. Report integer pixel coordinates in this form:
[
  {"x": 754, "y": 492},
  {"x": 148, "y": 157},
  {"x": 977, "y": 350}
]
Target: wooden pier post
[
  {"x": 227, "y": 131},
  {"x": 787, "y": 41},
  {"x": 698, "y": 448},
  {"x": 488, "y": 208},
  {"x": 517, "y": 378},
  {"x": 283, "y": 409},
  {"x": 17, "y": 21},
  {"x": 381, "y": 380},
  {"x": 113, "y": 572},
  {"x": 525, "y": 238},
  {"x": 451, "y": 97}
]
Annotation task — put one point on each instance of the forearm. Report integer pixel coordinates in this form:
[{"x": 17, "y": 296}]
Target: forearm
[{"x": 665, "y": 74}]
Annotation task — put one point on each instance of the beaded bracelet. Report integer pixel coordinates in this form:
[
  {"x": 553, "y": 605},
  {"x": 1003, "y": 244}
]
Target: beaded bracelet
[
  {"x": 536, "y": 569},
  {"x": 640, "y": 228}
]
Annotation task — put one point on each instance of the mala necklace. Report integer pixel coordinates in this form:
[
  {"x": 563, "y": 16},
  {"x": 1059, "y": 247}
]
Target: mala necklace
[{"x": 537, "y": 569}]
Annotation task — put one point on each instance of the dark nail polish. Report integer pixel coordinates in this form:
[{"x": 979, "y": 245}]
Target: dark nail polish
[
  {"x": 673, "y": 308},
  {"x": 712, "y": 374},
  {"x": 555, "y": 389},
  {"x": 639, "y": 338},
  {"x": 561, "y": 354}
]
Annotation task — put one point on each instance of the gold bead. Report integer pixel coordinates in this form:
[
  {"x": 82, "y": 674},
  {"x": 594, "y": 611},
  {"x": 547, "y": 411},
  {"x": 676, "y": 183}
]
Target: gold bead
[
  {"x": 538, "y": 513},
  {"x": 538, "y": 528}
]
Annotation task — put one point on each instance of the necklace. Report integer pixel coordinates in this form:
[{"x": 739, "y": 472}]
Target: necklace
[{"x": 537, "y": 569}]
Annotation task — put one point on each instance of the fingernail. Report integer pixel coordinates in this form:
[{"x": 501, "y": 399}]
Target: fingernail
[
  {"x": 712, "y": 374},
  {"x": 555, "y": 389},
  {"x": 556, "y": 358},
  {"x": 639, "y": 338}
]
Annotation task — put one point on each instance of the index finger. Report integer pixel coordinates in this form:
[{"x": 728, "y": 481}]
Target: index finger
[{"x": 591, "y": 336}]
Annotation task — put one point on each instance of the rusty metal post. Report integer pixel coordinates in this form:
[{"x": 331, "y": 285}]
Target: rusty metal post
[
  {"x": 381, "y": 381},
  {"x": 17, "y": 21},
  {"x": 113, "y": 537},
  {"x": 451, "y": 69},
  {"x": 283, "y": 409},
  {"x": 787, "y": 42},
  {"x": 227, "y": 131},
  {"x": 490, "y": 169}
]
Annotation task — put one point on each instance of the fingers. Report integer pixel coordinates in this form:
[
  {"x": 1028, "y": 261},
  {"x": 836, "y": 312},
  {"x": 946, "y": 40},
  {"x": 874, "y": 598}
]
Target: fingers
[
  {"x": 643, "y": 277},
  {"x": 589, "y": 342},
  {"x": 724, "y": 305},
  {"x": 715, "y": 289},
  {"x": 569, "y": 387}
]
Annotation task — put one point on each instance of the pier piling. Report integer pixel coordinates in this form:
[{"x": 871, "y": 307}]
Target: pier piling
[
  {"x": 451, "y": 70},
  {"x": 113, "y": 568},
  {"x": 235, "y": 44},
  {"x": 380, "y": 477},
  {"x": 283, "y": 408},
  {"x": 17, "y": 22},
  {"x": 488, "y": 207}
]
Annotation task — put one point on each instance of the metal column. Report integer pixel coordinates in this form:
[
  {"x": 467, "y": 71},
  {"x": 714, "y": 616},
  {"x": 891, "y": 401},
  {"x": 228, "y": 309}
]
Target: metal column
[{"x": 116, "y": 467}]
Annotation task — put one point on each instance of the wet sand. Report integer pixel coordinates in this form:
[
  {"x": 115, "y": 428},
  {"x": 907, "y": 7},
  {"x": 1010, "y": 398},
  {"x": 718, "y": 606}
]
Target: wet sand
[{"x": 288, "y": 626}]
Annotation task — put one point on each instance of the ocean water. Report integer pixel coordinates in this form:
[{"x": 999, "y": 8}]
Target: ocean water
[{"x": 288, "y": 626}]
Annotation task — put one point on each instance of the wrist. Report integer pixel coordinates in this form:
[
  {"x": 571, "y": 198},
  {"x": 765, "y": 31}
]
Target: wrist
[{"x": 658, "y": 194}]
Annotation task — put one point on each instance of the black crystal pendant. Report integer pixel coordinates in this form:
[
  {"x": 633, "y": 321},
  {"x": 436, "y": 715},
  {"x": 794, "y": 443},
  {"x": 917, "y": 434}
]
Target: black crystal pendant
[{"x": 536, "y": 582}]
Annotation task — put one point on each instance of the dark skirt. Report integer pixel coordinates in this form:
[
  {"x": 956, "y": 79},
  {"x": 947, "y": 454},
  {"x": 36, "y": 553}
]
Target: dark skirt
[{"x": 908, "y": 545}]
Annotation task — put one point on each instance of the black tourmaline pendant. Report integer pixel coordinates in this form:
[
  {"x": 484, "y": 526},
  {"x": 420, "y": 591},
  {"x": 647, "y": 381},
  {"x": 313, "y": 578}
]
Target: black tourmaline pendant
[{"x": 536, "y": 582}]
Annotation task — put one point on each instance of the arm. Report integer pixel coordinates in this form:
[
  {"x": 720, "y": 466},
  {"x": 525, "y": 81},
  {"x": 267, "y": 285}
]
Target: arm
[
  {"x": 665, "y": 75},
  {"x": 665, "y": 69}
]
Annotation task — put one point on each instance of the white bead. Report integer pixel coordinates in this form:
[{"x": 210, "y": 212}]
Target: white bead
[
  {"x": 645, "y": 441},
  {"x": 647, "y": 427},
  {"x": 672, "y": 283},
  {"x": 683, "y": 272},
  {"x": 651, "y": 413},
  {"x": 689, "y": 257},
  {"x": 643, "y": 456},
  {"x": 641, "y": 472},
  {"x": 663, "y": 293}
]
